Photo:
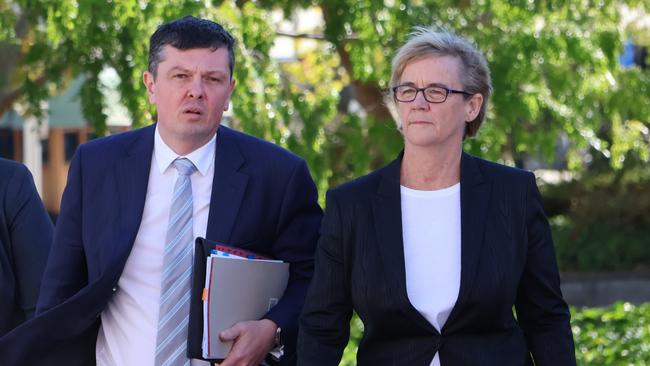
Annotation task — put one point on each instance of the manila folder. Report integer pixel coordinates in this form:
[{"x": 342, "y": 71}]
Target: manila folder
[{"x": 240, "y": 289}]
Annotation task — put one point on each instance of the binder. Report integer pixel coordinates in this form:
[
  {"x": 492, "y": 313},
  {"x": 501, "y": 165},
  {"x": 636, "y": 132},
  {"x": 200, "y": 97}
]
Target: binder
[{"x": 264, "y": 283}]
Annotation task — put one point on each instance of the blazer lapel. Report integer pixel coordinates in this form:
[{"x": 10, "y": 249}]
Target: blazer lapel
[
  {"x": 228, "y": 187},
  {"x": 474, "y": 202},
  {"x": 132, "y": 176},
  {"x": 387, "y": 212}
]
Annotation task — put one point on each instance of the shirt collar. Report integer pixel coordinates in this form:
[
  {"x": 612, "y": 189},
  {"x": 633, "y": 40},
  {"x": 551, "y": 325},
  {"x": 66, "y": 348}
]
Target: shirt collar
[{"x": 202, "y": 158}]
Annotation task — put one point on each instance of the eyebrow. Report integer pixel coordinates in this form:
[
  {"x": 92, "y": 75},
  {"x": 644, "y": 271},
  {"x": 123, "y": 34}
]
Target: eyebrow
[
  {"x": 209, "y": 72},
  {"x": 440, "y": 85}
]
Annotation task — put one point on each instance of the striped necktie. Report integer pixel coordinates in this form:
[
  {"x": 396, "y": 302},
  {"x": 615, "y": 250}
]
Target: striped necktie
[{"x": 174, "y": 305}]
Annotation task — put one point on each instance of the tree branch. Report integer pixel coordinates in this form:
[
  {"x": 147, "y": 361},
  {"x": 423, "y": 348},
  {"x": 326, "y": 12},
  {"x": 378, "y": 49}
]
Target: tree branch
[
  {"x": 319, "y": 37},
  {"x": 368, "y": 94},
  {"x": 8, "y": 99}
]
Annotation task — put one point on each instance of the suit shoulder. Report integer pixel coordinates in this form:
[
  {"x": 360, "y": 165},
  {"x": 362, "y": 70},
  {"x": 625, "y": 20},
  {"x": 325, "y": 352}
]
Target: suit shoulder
[
  {"x": 16, "y": 181},
  {"x": 115, "y": 144},
  {"x": 255, "y": 147},
  {"x": 115, "y": 140},
  {"x": 10, "y": 168}
]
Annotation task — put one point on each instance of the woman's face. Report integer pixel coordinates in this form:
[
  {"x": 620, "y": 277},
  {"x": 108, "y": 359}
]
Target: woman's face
[{"x": 442, "y": 124}]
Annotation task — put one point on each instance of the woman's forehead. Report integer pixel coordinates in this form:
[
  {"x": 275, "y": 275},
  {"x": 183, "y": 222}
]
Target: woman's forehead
[{"x": 433, "y": 69}]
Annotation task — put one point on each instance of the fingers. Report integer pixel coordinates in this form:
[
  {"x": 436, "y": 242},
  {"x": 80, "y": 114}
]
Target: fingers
[
  {"x": 252, "y": 341},
  {"x": 231, "y": 333}
]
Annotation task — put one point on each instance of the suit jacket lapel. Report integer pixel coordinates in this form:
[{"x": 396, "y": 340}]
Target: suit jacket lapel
[
  {"x": 387, "y": 212},
  {"x": 228, "y": 186},
  {"x": 132, "y": 176},
  {"x": 474, "y": 202}
]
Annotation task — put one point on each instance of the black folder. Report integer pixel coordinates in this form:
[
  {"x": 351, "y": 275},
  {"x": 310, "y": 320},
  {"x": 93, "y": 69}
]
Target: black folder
[{"x": 202, "y": 249}]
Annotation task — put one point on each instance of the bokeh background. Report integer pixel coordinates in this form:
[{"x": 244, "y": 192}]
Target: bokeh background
[{"x": 571, "y": 102}]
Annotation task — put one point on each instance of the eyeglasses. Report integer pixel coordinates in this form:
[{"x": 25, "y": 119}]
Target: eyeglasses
[{"x": 432, "y": 94}]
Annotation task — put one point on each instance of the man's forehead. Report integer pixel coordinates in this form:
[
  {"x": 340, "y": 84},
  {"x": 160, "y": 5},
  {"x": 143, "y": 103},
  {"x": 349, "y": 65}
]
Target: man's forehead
[{"x": 216, "y": 58}]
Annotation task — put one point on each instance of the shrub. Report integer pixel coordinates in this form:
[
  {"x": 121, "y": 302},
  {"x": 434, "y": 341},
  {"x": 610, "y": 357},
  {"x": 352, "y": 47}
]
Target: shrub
[
  {"x": 617, "y": 335},
  {"x": 601, "y": 221}
]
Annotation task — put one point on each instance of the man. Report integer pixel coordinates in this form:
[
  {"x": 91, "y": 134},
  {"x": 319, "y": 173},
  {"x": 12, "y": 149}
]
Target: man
[
  {"x": 25, "y": 239},
  {"x": 116, "y": 274}
]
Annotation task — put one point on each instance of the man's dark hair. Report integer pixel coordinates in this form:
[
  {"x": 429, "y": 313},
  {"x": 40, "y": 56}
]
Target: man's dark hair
[{"x": 189, "y": 33}]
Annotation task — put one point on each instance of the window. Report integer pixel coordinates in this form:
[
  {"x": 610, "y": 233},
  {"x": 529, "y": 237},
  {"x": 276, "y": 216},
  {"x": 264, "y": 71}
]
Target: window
[
  {"x": 70, "y": 143},
  {"x": 6, "y": 143}
]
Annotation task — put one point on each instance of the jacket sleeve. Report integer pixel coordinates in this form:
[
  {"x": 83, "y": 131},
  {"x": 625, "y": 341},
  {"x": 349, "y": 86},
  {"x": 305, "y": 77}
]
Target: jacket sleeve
[
  {"x": 30, "y": 231},
  {"x": 66, "y": 273},
  {"x": 295, "y": 242},
  {"x": 541, "y": 311},
  {"x": 325, "y": 321}
]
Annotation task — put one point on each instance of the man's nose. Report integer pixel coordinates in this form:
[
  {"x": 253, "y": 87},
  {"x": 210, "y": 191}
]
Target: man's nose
[{"x": 196, "y": 88}]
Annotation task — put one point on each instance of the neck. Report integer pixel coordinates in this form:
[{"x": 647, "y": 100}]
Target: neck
[
  {"x": 427, "y": 168},
  {"x": 185, "y": 146}
]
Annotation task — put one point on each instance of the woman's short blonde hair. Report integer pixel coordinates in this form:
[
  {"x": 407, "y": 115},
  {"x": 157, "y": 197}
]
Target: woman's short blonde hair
[{"x": 475, "y": 73}]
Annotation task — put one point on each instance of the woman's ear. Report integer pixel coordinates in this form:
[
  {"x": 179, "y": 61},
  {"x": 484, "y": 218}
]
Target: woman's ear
[{"x": 473, "y": 107}]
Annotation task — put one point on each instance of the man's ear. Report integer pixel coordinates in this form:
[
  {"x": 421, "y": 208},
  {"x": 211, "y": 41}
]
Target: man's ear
[
  {"x": 149, "y": 83},
  {"x": 473, "y": 107},
  {"x": 232, "y": 87}
]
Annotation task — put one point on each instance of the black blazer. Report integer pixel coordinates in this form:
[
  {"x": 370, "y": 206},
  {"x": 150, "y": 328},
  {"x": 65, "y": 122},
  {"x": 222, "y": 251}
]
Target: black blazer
[
  {"x": 507, "y": 260},
  {"x": 25, "y": 240}
]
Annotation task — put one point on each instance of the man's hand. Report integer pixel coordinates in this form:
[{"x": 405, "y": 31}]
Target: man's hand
[{"x": 252, "y": 341}]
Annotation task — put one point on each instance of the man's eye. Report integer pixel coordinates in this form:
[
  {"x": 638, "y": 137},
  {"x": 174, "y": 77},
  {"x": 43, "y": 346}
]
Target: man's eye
[{"x": 180, "y": 76}]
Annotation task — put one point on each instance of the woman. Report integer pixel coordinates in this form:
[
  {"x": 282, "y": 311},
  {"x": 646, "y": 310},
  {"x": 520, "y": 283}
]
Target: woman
[
  {"x": 25, "y": 238},
  {"x": 435, "y": 249}
]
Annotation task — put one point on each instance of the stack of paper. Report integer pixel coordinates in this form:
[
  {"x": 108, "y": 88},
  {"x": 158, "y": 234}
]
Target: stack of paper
[{"x": 237, "y": 289}]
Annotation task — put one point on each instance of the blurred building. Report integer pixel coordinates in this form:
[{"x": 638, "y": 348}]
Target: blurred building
[{"x": 47, "y": 146}]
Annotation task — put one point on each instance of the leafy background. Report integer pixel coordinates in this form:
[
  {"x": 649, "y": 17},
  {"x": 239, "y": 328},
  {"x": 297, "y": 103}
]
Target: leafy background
[{"x": 560, "y": 100}]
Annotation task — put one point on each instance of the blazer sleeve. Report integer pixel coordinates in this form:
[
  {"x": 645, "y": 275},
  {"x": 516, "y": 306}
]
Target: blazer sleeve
[
  {"x": 30, "y": 230},
  {"x": 325, "y": 321},
  {"x": 541, "y": 311},
  {"x": 66, "y": 272},
  {"x": 295, "y": 242}
]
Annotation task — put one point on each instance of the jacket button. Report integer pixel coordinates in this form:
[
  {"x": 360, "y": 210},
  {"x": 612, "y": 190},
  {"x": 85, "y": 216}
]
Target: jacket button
[{"x": 114, "y": 289}]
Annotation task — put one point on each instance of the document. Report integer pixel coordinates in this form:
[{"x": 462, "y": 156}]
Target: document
[{"x": 237, "y": 289}]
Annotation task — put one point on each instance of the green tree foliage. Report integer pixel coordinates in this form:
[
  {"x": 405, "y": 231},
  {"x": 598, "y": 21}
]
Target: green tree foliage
[
  {"x": 554, "y": 68},
  {"x": 617, "y": 335}
]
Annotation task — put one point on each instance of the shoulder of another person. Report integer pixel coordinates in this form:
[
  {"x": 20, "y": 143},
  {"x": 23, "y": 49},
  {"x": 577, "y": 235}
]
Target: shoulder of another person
[
  {"x": 14, "y": 173},
  {"x": 10, "y": 167}
]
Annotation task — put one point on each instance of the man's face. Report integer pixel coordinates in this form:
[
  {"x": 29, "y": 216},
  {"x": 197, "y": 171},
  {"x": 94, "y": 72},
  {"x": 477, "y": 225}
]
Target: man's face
[{"x": 191, "y": 91}]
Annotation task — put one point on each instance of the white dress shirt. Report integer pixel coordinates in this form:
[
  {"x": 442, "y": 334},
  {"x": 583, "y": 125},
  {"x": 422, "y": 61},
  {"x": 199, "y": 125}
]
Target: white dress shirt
[
  {"x": 431, "y": 234},
  {"x": 129, "y": 323}
]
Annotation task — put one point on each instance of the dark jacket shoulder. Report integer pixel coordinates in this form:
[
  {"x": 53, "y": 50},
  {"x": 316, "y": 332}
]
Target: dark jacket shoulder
[
  {"x": 370, "y": 183},
  {"x": 115, "y": 144},
  {"x": 10, "y": 168},
  {"x": 254, "y": 147}
]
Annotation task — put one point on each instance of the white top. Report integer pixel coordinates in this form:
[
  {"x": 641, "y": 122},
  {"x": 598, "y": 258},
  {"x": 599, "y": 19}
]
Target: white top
[
  {"x": 431, "y": 234},
  {"x": 127, "y": 335}
]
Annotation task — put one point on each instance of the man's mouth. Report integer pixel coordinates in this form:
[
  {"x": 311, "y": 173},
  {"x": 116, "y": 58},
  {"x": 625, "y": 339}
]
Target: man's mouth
[{"x": 195, "y": 111}]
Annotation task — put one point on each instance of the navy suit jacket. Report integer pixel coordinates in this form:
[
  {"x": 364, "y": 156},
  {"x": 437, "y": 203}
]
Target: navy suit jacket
[
  {"x": 507, "y": 259},
  {"x": 25, "y": 239},
  {"x": 263, "y": 199}
]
